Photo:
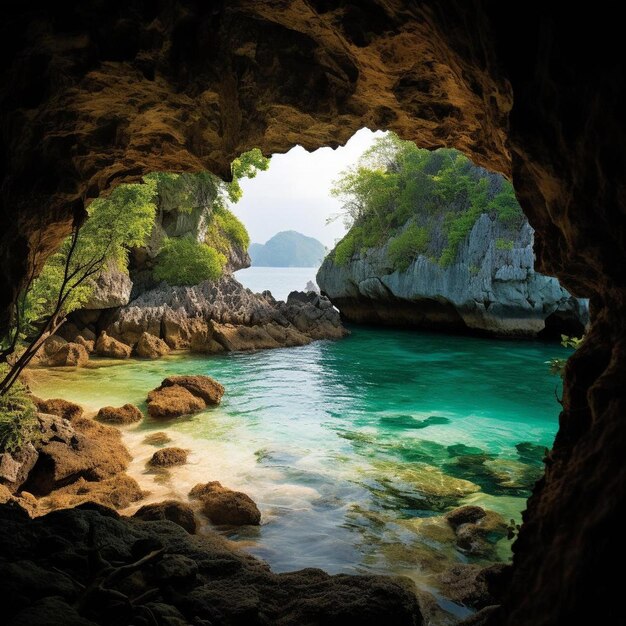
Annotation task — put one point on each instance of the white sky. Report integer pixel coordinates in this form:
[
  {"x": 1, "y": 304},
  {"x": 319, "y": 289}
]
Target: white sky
[{"x": 294, "y": 193}]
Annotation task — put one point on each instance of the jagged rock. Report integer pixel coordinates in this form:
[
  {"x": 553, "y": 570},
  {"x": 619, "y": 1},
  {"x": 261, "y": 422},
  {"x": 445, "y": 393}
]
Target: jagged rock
[
  {"x": 70, "y": 354},
  {"x": 57, "y": 406},
  {"x": 69, "y": 451},
  {"x": 151, "y": 347},
  {"x": 15, "y": 466},
  {"x": 225, "y": 506},
  {"x": 111, "y": 289},
  {"x": 127, "y": 414},
  {"x": 486, "y": 289},
  {"x": 172, "y": 510},
  {"x": 112, "y": 348},
  {"x": 212, "y": 317},
  {"x": 169, "y": 457}
]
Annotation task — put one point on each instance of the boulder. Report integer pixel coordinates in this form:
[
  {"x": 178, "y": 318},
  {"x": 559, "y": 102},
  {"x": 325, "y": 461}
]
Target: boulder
[
  {"x": 203, "y": 387},
  {"x": 224, "y": 506},
  {"x": 173, "y": 402},
  {"x": 70, "y": 354},
  {"x": 169, "y": 457},
  {"x": 15, "y": 466},
  {"x": 127, "y": 414},
  {"x": 57, "y": 406},
  {"x": 69, "y": 331},
  {"x": 69, "y": 451},
  {"x": 151, "y": 347},
  {"x": 172, "y": 510},
  {"x": 52, "y": 344},
  {"x": 112, "y": 348}
]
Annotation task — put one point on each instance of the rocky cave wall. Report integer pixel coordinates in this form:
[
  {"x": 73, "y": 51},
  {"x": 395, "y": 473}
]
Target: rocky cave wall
[{"x": 95, "y": 94}]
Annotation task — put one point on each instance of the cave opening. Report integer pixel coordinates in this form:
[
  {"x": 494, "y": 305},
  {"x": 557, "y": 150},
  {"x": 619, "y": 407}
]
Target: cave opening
[{"x": 103, "y": 97}]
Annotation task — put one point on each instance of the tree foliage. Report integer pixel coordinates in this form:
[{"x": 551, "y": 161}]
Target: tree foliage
[
  {"x": 441, "y": 192},
  {"x": 184, "y": 261},
  {"x": 18, "y": 417}
]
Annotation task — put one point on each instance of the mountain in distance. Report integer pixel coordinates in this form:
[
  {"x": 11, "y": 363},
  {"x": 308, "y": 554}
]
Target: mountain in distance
[{"x": 288, "y": 249}]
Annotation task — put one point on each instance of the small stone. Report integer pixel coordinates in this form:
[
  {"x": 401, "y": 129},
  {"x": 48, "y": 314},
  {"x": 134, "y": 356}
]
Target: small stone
[
  {"x": 172, "y": 510},
  {"x": 157, "y": 439},
  {"x": 225, "y": 506}
]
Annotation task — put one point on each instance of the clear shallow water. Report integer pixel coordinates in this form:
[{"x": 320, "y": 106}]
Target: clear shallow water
[
  {"x": 281, "y": 281},
  {"x": 348, "y": 446}
]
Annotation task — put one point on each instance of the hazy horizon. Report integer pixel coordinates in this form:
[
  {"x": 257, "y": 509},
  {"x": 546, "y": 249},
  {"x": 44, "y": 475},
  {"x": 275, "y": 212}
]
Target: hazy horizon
[{"x": 294, "y": 193}]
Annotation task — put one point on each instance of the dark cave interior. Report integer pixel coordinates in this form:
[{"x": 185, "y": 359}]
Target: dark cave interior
[{"x": 98, "y": 94}]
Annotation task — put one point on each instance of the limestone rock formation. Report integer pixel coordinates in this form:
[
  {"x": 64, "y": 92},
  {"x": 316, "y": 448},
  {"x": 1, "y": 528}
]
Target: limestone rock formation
[
  {"x": 225, "y": 506},
  {"x": 127, "y": 414},
  {"x": 486, "y": 289},
  {"x": 15, "y": 466},
  {"x": 112, "y": 288},
  {"x": 111, "y": 347},
  {"x": 199, "y": 579},
  {"x": 151, "y": 347},
  {"x": 172, "y": 510},
  {"x": 213, "y": 317},
  {"x": 168, "y": 457}
]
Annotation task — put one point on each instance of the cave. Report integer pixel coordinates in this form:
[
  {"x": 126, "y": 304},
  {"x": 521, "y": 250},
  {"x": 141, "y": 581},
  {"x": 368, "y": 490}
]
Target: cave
[{"x": 98, "y": 94}]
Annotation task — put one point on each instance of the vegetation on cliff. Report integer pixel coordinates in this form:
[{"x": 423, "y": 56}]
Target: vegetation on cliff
[{"x": 418, "y": 201}]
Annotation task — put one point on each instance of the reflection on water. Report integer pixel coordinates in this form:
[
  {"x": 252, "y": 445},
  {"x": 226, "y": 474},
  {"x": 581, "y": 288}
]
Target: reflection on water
[{"x": 352, "y": 449}]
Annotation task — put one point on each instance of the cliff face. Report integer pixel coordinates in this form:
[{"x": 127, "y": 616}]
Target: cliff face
[{"x": 491, "y": 287}]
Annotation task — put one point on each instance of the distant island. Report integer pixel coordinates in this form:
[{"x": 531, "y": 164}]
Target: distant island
[{"x": 288, "y": 249}]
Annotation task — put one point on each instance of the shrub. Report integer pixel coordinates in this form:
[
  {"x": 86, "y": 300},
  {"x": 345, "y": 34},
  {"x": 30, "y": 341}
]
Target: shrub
[
  {"x": 184, "y": 261},
  {"x": 346, "y": 248},
  {"x": 504, "y": 244},
  {"x": 557, "y": 365},
  {"x": 404, "y": 248},
  {"x": 234, "y": 230},
  {"x": 18, "y": 419}
]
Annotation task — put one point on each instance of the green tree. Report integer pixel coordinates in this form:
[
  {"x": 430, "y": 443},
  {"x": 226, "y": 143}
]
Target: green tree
[{"x": 113, "y": 225}]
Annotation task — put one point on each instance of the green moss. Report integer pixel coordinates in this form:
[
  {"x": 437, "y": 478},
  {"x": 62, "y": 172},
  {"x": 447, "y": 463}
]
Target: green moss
[
  {"x": 18, "y": 419},
  {"x": 184, "y": 261},
  {"x": 404, "y": 248}
]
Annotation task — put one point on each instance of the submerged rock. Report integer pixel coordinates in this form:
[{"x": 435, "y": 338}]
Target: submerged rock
[
  {"x": 225, "y": 506},
  {"x": 112, "y": 348},
  {"x": 169, "y": 457},
  {"x": 477, "y": 530},
  {"x": 172, "y": 510},
  {"x": 157, "y": 439},
  {"x": 151, "y": 347},
  {"x": 127, "y": 414}
]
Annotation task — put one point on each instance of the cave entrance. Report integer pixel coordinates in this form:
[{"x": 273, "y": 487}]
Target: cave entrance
[{"x": 382, "y": 438}]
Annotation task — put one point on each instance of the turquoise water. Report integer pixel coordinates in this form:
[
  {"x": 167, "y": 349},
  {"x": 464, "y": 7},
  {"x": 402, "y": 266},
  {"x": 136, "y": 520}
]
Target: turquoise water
[
  {"x": 279, "y": 280},
  {"x": 350, "y": 446}
]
